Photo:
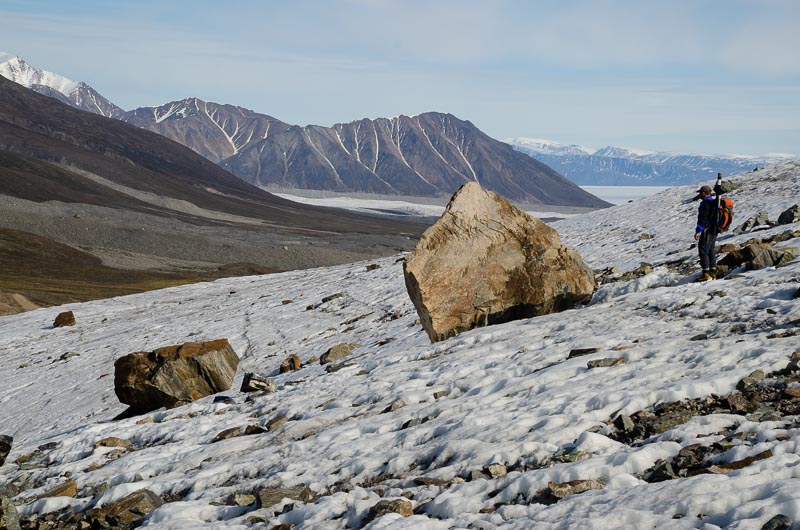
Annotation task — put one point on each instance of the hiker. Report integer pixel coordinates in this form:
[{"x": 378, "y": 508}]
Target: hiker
[{"x": 706, "y": 234}]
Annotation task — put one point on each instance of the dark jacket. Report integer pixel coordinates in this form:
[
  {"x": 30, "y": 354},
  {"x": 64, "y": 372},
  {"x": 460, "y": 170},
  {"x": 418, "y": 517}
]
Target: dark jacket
[{"x": 707, "y": 214}]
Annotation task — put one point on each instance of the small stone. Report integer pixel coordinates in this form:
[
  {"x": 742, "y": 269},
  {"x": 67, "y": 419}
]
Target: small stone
[
  {"x": 440, "y": 394},
  {"x": 254, "y": 429},
  {"x": 286, "y": 302},
  {"x": 332, "y": 297},
  {"x": 67, "y": 489},
  {"x": 779, "y": 522},
  {"x": 396, "y": 405},
  {"x": 662, "y": 471},
  {"x": 496, "y": 470},
  {"x": 68, "y": 355},
  {"x": 478, "y": 475},
  {"x": 67, "y": 318},
  {"x": 737, "y": 402},
  {"x": 113, "y": 441},
  {"x": 561, "y": 490},
  {"x": 254, "y": 382},
  {"x": 267, "y": 497},
  {"x": 578, "y": 352},
  {"x": 224, "y": 399},
  {"x": 607, "y": 362},
  {"x": 399, "y": 506},
  {"x": 428, "y": 481},
  {"x": 645, "y": 236},
  {"x": 727, "y": 467},
  {"x": 244, "y": 499},
  {"x": 793, "y": 392},
  {"x": 290, "y": 364},
  {"x": 701, "y": 336},
  {"x": 340, "y": 351},
  {"x": 624, "y": 423},
  {"x": 227, "y": 433},
  {"x": 332, "y": 368},
  {"x": 690, "y": 456},
  {"x": 751, "y": 380},
  {"x": 276, "y": 422},
  {"x": 373, "y": 266}
]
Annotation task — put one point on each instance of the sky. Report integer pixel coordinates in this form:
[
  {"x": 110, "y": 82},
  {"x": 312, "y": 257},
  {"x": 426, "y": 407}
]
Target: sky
[{"x": 693, "y": 76}]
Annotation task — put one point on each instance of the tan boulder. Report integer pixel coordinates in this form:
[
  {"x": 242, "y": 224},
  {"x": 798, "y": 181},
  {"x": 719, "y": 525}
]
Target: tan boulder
[
  {"x": 174, "y": 375},
  {"x": 67, "y": 318},
  {"x": 486, "y": 261},
  {"x": 340, "y": 351},
  {"x": 290, "y": 364}
]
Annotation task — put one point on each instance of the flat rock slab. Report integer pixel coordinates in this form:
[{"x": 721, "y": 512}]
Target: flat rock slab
[{"x": 128, "y": 512}]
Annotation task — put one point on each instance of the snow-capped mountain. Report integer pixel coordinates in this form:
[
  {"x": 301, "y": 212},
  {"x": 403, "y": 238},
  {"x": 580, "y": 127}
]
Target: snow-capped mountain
[
  {"x": 538, "y": 145},
  {"x": 478, "y": 431},
  {"x": 613, "y": 166},
  {"x": 75, "y": 93}
]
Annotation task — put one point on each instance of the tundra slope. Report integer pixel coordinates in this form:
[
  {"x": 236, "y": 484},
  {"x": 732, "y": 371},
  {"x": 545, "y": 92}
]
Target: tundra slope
[{"x": 505, "y": 394}]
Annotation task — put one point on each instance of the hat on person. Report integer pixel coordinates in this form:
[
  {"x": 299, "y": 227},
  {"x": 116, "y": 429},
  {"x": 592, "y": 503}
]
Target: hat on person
[{"x": 704, "y": 189}]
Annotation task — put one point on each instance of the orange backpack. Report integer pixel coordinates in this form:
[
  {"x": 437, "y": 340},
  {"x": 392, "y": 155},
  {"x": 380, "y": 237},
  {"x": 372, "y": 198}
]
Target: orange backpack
[{"x": 725, "y": 216}]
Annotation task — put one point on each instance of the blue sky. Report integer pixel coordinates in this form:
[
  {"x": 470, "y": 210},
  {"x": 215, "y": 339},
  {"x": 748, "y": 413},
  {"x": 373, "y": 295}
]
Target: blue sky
[{"x": 700, "y": 76}]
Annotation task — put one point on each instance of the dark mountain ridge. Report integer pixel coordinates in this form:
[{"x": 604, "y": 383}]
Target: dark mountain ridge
[{"x": 431, "y": 154}]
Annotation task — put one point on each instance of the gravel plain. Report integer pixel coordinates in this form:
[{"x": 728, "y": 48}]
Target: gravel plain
[{"x": 132, "y": 240}]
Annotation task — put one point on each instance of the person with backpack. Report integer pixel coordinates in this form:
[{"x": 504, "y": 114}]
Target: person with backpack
[{"x": 706, "y": 234}]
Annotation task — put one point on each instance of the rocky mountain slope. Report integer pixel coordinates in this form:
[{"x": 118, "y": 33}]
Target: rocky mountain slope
[
  {"x": 619, "y": 166},
  {"x": 430, "y": 154},
  {"x": 138, "y": 200},
  {"x": 643, "y": 409},
  {"x": 74, "y": 93}
]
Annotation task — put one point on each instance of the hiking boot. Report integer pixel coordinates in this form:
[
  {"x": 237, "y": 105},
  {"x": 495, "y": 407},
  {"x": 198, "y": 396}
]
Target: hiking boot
[
  {"x": 705, "y": 277},
  {"x": 713, "y": 274}
]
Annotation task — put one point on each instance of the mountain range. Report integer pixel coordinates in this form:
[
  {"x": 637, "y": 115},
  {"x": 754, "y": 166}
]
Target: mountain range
[
  {"x": 429, "y": 155},
  {"x": 621, "y": 166},
  {"x": 127, "y": 200}
]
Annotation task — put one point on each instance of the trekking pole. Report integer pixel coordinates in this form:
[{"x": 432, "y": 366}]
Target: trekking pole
[{"x": 718, "y": 192}]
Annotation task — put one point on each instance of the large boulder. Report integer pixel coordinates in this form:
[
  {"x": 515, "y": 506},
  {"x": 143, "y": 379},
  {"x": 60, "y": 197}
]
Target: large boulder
[
  {"x": 5, "y": 447},
  {"x": 174, "y": 375},
  {"x": 486, "y": 261}
]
